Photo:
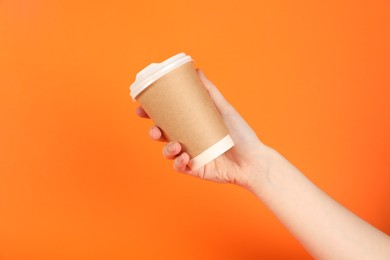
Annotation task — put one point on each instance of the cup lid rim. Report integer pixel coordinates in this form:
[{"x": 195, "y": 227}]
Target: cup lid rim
[{"x": 154, "y": 71}]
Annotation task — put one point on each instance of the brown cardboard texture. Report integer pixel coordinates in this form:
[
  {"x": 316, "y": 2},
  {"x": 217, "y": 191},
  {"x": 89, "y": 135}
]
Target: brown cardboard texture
[{"x": 180, "y": 105}]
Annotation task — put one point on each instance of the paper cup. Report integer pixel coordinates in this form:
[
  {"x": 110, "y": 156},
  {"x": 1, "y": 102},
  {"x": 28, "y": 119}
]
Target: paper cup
[{"x": 174, "y": 97}]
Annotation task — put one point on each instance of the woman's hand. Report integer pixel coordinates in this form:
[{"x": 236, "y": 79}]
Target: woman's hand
[
  {"x": 236, "y": 165},
  {"x": 324, "y": 227}
]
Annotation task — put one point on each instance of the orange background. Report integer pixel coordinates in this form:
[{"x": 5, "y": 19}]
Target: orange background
[{"x": 79, "y": 176}]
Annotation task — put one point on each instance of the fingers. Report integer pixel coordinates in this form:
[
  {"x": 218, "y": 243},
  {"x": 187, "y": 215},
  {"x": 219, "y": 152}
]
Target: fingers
[
  {"x": 221, "y": 103},
  {"x": 181, "y": 163},
  {"x": 141, "y": 112},
  {"x": 156, "y": 134},
  {"x": 171, "y": 150}
]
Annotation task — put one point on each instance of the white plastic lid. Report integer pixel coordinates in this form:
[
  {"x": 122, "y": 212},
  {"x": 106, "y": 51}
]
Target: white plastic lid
[{"x": 154, "y": 71}]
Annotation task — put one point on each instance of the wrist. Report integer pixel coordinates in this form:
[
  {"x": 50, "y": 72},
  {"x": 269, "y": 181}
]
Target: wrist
[{"x": 263, "y": 163}]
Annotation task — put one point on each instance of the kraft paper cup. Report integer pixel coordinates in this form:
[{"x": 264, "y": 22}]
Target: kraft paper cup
[{"x": 174, "y": 97}]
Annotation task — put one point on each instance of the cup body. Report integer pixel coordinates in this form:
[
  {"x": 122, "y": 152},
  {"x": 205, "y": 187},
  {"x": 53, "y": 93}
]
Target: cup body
[{"x": 181, "y": 107}]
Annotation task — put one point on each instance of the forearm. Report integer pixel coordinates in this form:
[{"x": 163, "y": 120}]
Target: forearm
[{"x": 324, "y": 227}]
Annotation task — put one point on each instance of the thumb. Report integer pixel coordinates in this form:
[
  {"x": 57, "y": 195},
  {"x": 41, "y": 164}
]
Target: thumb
[{"x": 220, "y": 102}]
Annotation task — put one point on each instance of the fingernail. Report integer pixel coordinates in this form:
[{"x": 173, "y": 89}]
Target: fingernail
[{"x": 171, "y": 148}]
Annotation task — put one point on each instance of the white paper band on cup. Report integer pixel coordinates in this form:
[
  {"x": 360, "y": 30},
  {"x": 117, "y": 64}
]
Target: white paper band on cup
[
  {"x": 211, "y": 153},
  {"x": 154, "y": 71}
]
